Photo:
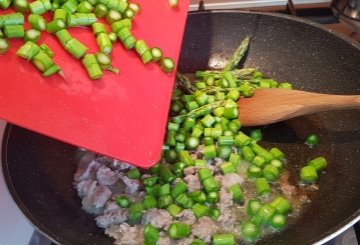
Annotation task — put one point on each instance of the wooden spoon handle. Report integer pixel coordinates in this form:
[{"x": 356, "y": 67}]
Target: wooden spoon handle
[
  {"x": 273, "y": 105},
  {"x": 312, "y": 102}
]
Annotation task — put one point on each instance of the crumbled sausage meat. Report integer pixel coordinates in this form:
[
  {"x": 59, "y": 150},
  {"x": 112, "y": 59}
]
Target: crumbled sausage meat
[
  {"x": 186, "y": 216},
  {"x": 193, "y": 182},
  {"x": 204, "y": 228},
  {"x": 87, "y": 170},
  {"x": 231, "y": 179},
  {"x": 125, "y": 234},
  {"x": 225, "y": 200},
  {"x": 132, "y": 185},
  {"x": 112, "y": 218},
  {"x": 85, "y": 186},
  {"x": 159, "y": 218},
  {"x": 105, "y": 176},
  {"x": 96, "y": 198}
]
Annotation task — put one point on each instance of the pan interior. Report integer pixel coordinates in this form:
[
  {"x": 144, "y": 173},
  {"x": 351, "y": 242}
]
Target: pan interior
[{"x": 39, "y": 170}]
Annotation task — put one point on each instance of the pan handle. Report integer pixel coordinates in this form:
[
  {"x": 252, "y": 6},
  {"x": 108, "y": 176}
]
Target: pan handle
[
  {"x": 201, "y": 6},
  {"x": 39, "y": 239},
  {"x": 357, "y": 231}
]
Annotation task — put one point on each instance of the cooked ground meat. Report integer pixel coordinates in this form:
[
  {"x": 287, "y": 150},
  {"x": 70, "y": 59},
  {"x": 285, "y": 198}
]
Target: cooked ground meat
[
  {"x": 286, "y": 188},
  {"x": 191, "y": 170},
  {"x": 121, "y": 166},
  {"x": 227, "y": 218},
  {"x": 85, "y": 186},
  {"x": 112, "y": 218},
  {"x": 132, "y": 185},
  {"x": 165, "y": 240},
  {"x": 104, "y": 160},
  {"x": 86, "y": 170},
  {"x": 204, "y": 228},
  {"x": 96, "y": 198},
  {"x": 159, "y": 218},
  {"x": 225, "y": 201},
  {"x": 231, "y": 179},
  {"x": 111, "y": 206},
  {"x": 195, "y": 169},
  {"x": 105, "y": 176},
  {"x": 186, "y": 216},
  {"x": 185, "y": 241},
  {"x": 125, "y": 234},
  {"x": 218, "y": 178},
  {"x": 193, "y": 182},
  {"x": 99, "y": 182}
]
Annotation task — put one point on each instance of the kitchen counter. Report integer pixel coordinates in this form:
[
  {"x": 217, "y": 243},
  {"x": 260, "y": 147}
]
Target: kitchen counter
[
  {"x": 14, "y": 227},
  {"x": 234, "y": 4}
]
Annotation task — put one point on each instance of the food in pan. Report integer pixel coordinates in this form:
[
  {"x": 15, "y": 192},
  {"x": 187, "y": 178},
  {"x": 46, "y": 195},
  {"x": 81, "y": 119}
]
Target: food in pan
[{"x": 215, "y": 184}]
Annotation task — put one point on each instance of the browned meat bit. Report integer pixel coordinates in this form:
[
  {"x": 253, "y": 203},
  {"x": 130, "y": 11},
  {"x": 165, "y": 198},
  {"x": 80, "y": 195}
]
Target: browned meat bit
[
  {"x": 191, "y": 170},
  {"x": 121, "y": 166},
  {"x": 104, "y": 160},
  {"x": 186, "y": 216},
  {"x": 225, "y": 201},
  {"x": 87, "y": 170},
  {"x": 112, "y": 218},
  {"x": 159, "y": 218},
  {"x": 125, "y": 234},
  {"x": 165, "y": 240},
  {"x": 286, "y": 188},
  {"x": 218, "y": 177},
  {"x": 185, "y": 241},
  {"x": 193, "y": 182},
  {"x": 231, "y": 179},
  {"x": 195, "y": 169},
  {"x": 111, "y": 206},
  {"x": 85, "y": 186},
  {"x": 198, "y": 154},
  {"x": 132, "y": 185},
  {"x": 218, "y": 161},
  {"x": 227, "y": 218},
  {"x": 204, "y": 228},
  {"x": 106, "y": 176},
  {"x": 96, "y": 198}
]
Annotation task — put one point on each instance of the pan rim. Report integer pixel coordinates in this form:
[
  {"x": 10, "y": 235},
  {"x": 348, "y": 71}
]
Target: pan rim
[
  {"x": 285, "y": 16},
  {"x": 347, "y": 223}
]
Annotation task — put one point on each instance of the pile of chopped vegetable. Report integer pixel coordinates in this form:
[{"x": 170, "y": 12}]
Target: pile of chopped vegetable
[
  {"x": 119, "y": 14},
  {"x": 210, "y": 170}
]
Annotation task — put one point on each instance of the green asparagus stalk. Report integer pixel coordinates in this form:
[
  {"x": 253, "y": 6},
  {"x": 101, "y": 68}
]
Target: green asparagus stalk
[
  {"x": 37, "y": 22},
  {"x": 92, "y": 66},
  {"x": 28, "y": 50},
  {"x": 4, "y": 45},
  {"x": 14, "y": 31},
  {"x": 32, "y": 35},
  {"x": 238, "y": 55},
  {"x": 185, "y": 84},
  {"x": 201, "y": 111},
  {"x": 21, "y": 6}
]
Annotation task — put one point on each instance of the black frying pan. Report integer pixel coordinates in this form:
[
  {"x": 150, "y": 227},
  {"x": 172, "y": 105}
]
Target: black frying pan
[{"x": 39, "y": 171}]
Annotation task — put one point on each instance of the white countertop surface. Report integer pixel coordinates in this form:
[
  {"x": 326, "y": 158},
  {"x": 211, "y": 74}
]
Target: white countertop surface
[
  {"x": 236, "y": 4},
  {"x": 14, "y": 227}
]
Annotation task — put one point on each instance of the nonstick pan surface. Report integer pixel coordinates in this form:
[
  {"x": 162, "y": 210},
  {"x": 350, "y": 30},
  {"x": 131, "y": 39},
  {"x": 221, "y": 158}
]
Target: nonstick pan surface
[{"x": 39, "y": 170}]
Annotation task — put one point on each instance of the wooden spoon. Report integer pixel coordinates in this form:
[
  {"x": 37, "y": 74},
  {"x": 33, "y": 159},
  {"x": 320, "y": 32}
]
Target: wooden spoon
[{"x": 274, "y": 105}]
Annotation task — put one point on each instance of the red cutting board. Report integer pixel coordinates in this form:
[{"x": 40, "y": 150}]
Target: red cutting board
[{"x": 122, "y": 116}]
